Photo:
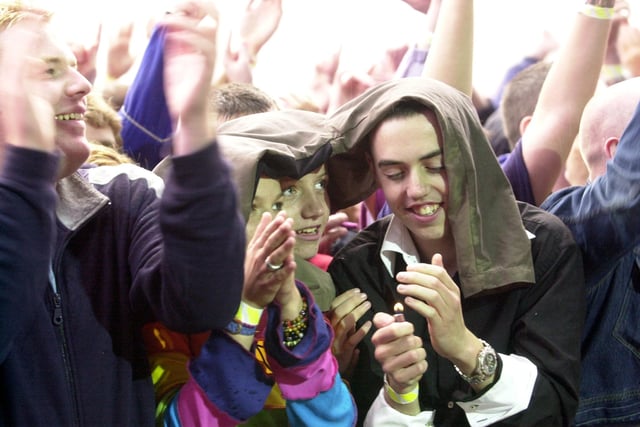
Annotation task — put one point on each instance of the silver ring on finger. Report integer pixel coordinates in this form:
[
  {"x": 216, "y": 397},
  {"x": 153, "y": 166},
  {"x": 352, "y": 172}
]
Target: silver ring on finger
[{"x": 273, "y": 267}]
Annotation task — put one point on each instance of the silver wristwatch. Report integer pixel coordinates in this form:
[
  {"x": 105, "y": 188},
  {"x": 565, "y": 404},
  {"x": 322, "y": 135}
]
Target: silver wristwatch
[{"x": 486, "y": 365}]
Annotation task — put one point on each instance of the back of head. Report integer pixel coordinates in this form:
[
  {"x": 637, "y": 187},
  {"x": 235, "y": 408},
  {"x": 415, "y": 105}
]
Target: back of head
[
  {"x": 520, "y": 98},
  {"x": 235, "y": 100},
  {"x": 101, "y": 115},
  {"x": 102, "y": 155},
  {"x": 606, "y": 116}
]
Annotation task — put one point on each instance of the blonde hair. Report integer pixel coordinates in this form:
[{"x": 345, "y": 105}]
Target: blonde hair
[
  {"x": 101, "y": 155},
  {"x": 12, "y": 12},
  {"x": 100, "y": 115}
]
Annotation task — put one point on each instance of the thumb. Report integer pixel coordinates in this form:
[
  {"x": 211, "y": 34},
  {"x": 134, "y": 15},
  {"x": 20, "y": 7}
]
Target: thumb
[
  {"x": 381, "y": 319},
  {"x": 437, "y": 260}
]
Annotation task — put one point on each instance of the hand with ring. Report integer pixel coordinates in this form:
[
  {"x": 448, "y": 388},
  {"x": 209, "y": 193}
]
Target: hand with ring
[
  {"x": 269, "y": 263},
  {"x": 273, "y": 267}
]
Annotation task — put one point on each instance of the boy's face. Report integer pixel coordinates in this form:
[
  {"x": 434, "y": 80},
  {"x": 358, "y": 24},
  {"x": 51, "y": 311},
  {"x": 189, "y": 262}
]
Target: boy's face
[
  {"x": 304, "y": 200},
  {"x": 266, "y": 199},
  {"x": 408, "y": 162},
  {"x": 53, "y": 78}
]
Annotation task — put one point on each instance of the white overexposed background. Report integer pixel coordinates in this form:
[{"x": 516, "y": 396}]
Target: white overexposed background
[{"x": 310, "y": 30}]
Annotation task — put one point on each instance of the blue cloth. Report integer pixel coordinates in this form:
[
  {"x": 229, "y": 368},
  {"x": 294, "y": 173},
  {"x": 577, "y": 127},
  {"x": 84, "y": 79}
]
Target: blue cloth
[
  {"x": 27, "y": 223},
  {"x": 231, "y": 377},
  {"x": 331, "y": 408},
  {"x": 146, "y": 123},
  {"x": 604, "y": 217},
  {"x": 515, "y": 169}
]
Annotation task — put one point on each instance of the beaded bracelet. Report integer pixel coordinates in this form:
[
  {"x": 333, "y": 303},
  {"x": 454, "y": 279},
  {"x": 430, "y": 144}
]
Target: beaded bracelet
[
  {"x": 401, "y": 398},
  {"x": 294, "y": 330}
]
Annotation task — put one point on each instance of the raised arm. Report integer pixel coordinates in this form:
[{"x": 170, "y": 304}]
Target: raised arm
[
  {"x": 570, "y": 83},
  {"x": 189, "y": 59},
  {"x": 27, "y": 175},
  {"x": 450, "y": 58},
  {"x": 607, "y": 210}
]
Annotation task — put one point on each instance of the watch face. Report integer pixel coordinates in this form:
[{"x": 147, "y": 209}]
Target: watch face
[{"x": 489, "y": 363}]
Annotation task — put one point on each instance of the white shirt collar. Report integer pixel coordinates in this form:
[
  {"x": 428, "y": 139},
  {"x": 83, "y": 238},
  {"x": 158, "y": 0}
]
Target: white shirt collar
[{"x": 398, "y": 241}]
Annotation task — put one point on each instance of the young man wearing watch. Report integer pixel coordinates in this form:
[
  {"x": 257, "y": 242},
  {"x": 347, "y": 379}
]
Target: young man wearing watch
[{"x": 492, "y": 288}]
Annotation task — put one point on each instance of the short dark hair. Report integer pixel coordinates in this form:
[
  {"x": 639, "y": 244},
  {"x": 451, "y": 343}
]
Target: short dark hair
[
  {"x": 520, "y": 98},
  {"x": 233, "y": 100}
]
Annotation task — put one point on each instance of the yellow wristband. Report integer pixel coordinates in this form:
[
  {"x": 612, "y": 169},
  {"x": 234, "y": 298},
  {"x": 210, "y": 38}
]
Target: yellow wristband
[
  {"x": 401, "y": 398},
  {"x": 248, "y": 315},
  {"x": 597, "y": 12}
]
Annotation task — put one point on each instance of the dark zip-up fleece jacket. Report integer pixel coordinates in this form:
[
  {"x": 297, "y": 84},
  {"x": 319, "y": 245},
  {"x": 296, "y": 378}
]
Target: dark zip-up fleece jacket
[{"x": 71, "y": 350}]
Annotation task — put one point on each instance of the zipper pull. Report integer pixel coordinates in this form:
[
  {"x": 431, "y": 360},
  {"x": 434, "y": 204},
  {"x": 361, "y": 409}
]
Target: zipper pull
[{"x": 57, "y": 309}]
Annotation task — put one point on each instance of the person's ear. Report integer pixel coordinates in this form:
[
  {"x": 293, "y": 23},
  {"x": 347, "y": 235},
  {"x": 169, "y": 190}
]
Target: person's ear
[
  {"x": 610, "y": 147},
  {"x": 524, "y": 123}
]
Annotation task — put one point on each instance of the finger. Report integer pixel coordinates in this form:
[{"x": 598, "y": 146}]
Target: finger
[
  {"x": 419, "y": 304},
  {"x": 393, "y": 332},
  {"x": 265, "y": 219},
  {"x": 399, "y": 352},
  {"x": 381, "y": 319},
  {"x": 397, "y": 366},
  {"x": 336, "y": 219},
  {"x": 346, "y": 308},
  {"x": 98, "y": 38},
  {"x": 434, "y": 270},
  {"x": 438, "y": 288},
  {"x": 360, "y": 310},
  {"x": 282, "y": 253},
  {"x": 437, "y": 260},
  {"x": 340, "y": 299},
  {"x": 407, "y": 376},
  {"x": 427, "y": 292},
  {"x": 270, "y": 227},
  {"x": 277, "y": 239},
  {"x": 334, "y": 233},
  {"x": 357, "y": 336}
]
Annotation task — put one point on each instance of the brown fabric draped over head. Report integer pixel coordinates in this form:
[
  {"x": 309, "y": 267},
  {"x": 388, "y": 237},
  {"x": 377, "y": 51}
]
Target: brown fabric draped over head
[
  {"x": 492, "y": 247},
  {"x": 287, "y": 143}
]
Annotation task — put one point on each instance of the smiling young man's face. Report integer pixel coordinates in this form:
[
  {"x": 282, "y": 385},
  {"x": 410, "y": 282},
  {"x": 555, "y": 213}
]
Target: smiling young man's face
[
  {"x": 304, "y": 200},
  {"x": 55, "y": 79},
  {"x": 409, "y": 167}
]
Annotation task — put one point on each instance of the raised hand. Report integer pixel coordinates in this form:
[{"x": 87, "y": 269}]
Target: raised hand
[
  {"x": 237, "y": 65},
  {"x": 260, "y": 20},
  {"x": 272, "y": 243},
  {"x": 333, "y": 231},
  {"x": 189, "y": 58},
  {"x": 346, "y": 309},
  {"x": 401, "y": 355},
  {"x": 430, "y": 291},
  {"x": 119, "y": 58},
  {"x": 27, "y": 118},
  {"x": 86, "y": 56}
]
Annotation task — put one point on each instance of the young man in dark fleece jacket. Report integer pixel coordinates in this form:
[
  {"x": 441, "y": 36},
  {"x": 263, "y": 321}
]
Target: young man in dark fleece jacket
[{"x": 87, "y": 257}]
